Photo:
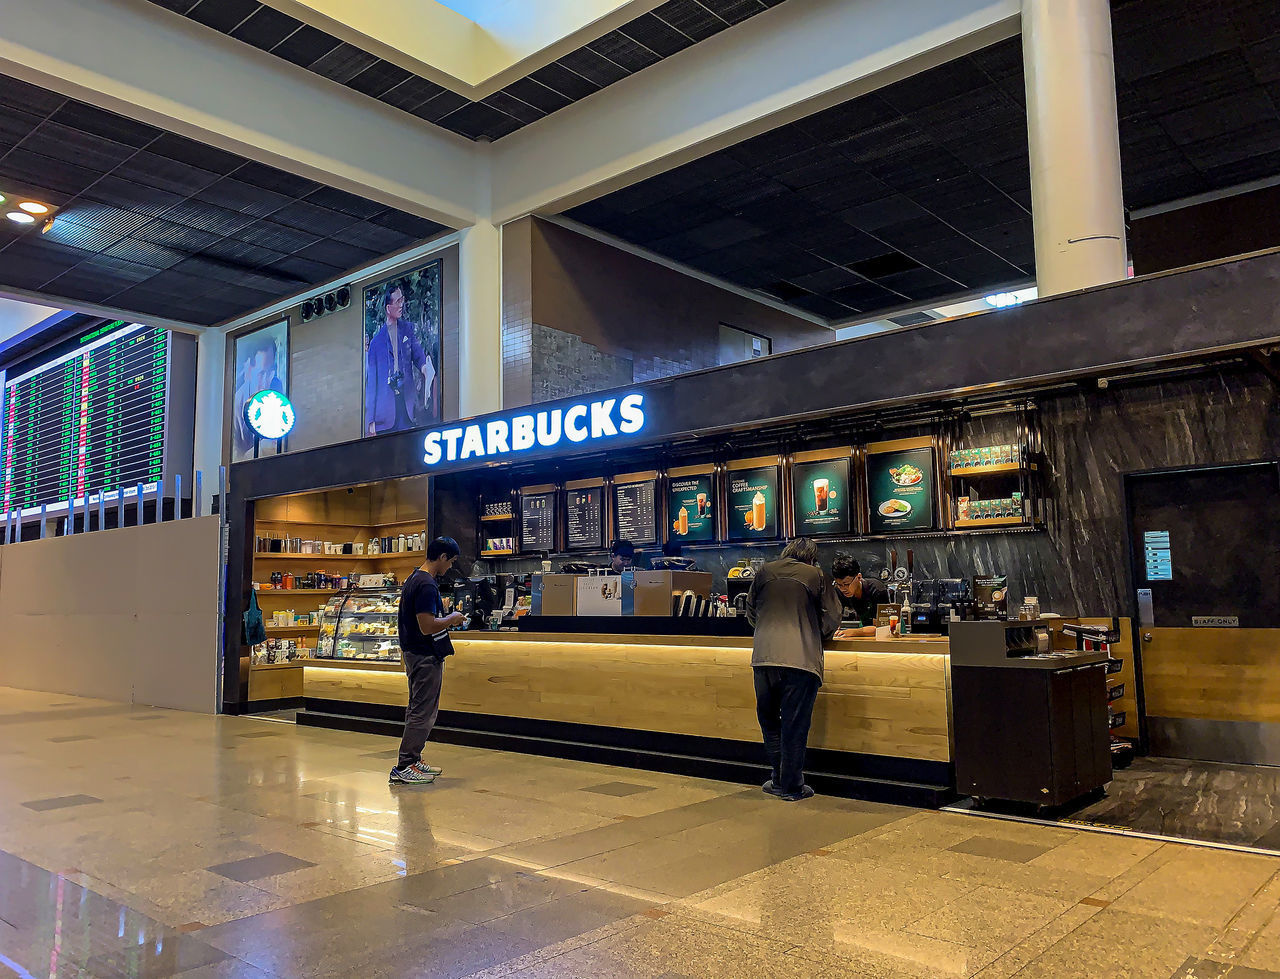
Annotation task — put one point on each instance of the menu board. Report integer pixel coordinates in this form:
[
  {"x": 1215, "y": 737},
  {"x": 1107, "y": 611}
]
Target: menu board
[
  {"x": 820, "y": 497},
  {"x": 538, "y": 522},
  {"x": 634, "y": 512},
  {"x": 691, "y": 505},
  {"x": 900, "y": 490},
  {"x": 584, "y": 510},
  {"x": 753, "y": 504}
]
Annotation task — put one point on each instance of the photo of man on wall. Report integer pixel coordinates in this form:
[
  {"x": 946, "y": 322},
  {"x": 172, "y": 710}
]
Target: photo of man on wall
[
  {"x": 262, "y": 364},
  {"x": 402, "y": 352}
]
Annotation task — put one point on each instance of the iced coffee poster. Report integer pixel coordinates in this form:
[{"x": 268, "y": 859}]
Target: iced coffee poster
[
  {"x": 691, "y": 506},
  {"x": 820, "y": 496},
  {"x": 753, "y": 504},
  {"x": 900, "y": 490}
]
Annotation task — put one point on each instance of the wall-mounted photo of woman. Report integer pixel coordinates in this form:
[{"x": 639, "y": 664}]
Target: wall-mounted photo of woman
[{"x": 403, "y": 349}]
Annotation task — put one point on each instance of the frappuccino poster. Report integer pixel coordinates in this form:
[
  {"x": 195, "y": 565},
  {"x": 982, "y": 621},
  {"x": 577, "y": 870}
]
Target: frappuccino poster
[
  {"x": 691, "y": 507},
  {"x": 900, "y": 490},
  {"x": 820, "y": 497},
  {"x": 753, "y": 504}
]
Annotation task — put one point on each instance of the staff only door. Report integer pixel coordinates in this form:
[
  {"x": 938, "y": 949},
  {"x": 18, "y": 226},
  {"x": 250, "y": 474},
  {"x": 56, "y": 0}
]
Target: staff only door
[{"x": 1205, "y": 550}]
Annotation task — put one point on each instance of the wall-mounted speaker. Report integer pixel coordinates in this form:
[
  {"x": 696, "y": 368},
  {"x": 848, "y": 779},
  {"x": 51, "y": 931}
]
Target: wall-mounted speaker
[{"x": 329, "y": 302}]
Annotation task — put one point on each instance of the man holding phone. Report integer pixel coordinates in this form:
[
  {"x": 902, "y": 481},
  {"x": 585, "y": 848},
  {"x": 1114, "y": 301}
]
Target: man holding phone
[{"x": 424, "y": 644}]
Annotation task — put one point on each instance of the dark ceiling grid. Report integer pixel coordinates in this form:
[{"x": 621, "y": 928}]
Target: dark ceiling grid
[
  {"x": 158, "y": 224},
  {"x": 1200, "y": 110},
  {"x": 646, "y": 40},
  {"x": 880, "y": 203},
  {"x": 921, "y": 191}
]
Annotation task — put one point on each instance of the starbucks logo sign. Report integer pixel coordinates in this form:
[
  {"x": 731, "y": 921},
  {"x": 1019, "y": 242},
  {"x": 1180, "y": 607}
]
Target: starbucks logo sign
[{"x": 269, "y": 414}]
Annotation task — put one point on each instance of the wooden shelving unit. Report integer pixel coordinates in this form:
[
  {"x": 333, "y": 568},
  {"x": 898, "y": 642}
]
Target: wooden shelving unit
[
  {"x": 338, "y": 516},
  {"x": 390, "y": 555},
  {"x": 496, "y": 553},
  {"x": 497, "y": 517},
  {"x": 274, "y": 592}
]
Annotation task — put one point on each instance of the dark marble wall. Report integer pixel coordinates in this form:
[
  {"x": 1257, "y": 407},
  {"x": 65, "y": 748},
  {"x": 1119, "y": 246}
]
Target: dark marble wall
[{"x": 1079, "y": 564}]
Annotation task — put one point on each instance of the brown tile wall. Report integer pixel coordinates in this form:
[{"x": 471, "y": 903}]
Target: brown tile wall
[{"x": 577, "y": 313}]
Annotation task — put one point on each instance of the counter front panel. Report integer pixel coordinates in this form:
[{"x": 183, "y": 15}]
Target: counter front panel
[{"x": 885, "y": 699}]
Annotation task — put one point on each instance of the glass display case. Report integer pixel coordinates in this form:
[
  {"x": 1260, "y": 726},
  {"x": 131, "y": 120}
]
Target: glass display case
[{"x": 361, "y": 623}]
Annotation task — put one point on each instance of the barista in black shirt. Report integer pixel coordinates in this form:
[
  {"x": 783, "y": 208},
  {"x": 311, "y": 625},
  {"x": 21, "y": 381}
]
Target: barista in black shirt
[{"x": 858, "y": 595}]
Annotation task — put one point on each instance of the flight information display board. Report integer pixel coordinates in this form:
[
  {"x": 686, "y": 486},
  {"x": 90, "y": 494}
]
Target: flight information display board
[{"x": 92, "y": 420}]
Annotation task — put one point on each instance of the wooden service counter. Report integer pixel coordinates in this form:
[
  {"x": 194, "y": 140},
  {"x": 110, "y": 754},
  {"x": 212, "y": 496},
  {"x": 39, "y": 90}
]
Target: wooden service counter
[{"x": 881, "y": 727}]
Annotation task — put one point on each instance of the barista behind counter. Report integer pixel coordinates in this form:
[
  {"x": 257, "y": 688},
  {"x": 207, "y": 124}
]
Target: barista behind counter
[{"x": 858, "y": 595}]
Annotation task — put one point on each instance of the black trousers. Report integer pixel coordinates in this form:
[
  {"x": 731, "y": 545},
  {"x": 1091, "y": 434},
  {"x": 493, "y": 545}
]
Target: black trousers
[
  {"x": 426, "y": 674},
  {"x": 784, "y": 705}
]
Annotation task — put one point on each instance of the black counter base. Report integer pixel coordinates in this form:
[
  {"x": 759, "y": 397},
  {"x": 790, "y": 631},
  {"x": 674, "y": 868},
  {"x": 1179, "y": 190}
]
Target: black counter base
[{"x": 875, "y": 778}]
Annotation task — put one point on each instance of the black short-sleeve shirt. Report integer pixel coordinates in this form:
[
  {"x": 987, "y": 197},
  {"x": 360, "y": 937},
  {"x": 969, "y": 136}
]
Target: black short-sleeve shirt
[
  {"x": 419, "y": 594},
  {"x": 864, "y": 609}
]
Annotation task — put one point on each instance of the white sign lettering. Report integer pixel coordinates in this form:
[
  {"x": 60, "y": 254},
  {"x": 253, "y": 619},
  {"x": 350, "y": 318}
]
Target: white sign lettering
[{"x": 587, "y": 422}]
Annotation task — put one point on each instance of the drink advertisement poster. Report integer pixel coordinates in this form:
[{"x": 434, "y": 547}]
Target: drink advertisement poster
[
  {"x": 820, "y": 495},
  {"x": 900, "y": 490},
  {"x": 691, "y": 506},
  {"x": 753, "y": 504}
]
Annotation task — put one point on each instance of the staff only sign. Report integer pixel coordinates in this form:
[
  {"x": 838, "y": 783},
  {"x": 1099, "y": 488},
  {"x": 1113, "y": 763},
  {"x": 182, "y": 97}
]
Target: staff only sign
[{"x": 587, "y": 422}]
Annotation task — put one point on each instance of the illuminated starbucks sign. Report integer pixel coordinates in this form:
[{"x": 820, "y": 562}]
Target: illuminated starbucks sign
[{"x": 587, "y": 422}]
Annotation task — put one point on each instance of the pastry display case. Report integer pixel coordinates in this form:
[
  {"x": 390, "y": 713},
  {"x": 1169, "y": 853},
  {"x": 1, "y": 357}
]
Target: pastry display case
[{"x": 361, "y": 623}]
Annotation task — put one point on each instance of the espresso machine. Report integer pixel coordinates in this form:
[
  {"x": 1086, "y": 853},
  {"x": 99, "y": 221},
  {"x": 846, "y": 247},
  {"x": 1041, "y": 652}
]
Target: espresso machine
[{"x": 937, "y": 602}]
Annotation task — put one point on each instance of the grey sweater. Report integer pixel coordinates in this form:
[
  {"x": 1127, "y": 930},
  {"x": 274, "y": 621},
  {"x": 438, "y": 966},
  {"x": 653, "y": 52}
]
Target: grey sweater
[{"x": 792, "y": 608}]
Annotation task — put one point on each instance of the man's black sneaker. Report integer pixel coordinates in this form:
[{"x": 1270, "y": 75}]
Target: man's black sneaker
[
  {"x": 805, "y": 793},
  {"x": 770, "y": 789}
]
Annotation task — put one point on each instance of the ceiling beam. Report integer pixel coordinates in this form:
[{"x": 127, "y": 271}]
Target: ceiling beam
[
  {"x": 145, "y": 62},
  {"x": 797, "y": 58}
]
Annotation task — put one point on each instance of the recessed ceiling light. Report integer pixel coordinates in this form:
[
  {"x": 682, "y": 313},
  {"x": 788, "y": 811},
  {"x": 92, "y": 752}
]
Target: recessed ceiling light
[
  {"x": 20, "y": 217},
  {"x": 34, "y": 207}
]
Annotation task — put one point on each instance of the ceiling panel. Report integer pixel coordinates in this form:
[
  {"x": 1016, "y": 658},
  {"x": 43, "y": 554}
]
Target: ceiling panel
[
  {"x": 865, "y": 207},
  {"x": 631, "y": 48},
  {"x": 156, "y": 223}
]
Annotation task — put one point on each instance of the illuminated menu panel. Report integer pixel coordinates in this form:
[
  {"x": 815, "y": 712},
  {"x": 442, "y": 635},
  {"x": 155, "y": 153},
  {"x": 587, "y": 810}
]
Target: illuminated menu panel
[
  {"x": 538, "y": 522},
  {"x": 92, "y": 420},
  {"x": 584, "y": 509},
  {"x": 636, "y": 515}
]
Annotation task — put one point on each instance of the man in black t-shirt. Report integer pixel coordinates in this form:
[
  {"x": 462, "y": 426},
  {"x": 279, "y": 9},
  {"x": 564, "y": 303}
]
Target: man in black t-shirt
[
  {"x": 858, "y": 595},
  {"x": 424, "y": 643}
]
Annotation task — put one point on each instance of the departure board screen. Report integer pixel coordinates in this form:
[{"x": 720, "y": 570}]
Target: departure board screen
[
  {"x": 635, "y": 515},
  {"x": 538, "y": 522},
  {"x": 89, "y": 421}
]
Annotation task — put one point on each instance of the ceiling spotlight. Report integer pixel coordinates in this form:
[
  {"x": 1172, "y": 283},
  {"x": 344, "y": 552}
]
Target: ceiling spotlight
[
  {"x": 34, "y": 207},
  {"x": 20, "y": 217}
]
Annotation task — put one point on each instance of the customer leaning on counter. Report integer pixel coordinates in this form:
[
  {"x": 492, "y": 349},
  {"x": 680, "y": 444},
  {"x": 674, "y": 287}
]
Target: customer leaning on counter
[{"x": 792, "y": 608}]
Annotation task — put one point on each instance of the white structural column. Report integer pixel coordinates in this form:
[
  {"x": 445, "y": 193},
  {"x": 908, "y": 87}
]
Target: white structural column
[
  {"x": 480, "y": 319},
  {"x": 211, "y": 368},
  {"x": 1077, "y": 199}
]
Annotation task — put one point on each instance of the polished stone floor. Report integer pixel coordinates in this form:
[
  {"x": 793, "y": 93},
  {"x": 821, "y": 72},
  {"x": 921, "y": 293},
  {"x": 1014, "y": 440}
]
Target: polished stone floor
[
  {"x": 155, "y": 843},
  {"x": 1195, "y": 800}
]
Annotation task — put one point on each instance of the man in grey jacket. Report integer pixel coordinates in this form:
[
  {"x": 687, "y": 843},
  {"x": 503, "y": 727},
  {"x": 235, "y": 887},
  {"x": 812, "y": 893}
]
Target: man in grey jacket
[{"x": 792, "y": 608}]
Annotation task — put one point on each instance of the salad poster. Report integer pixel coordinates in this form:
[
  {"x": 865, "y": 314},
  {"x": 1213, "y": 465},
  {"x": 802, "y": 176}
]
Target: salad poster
[
  {"x": 900, "y": 490},
  {"x": 753, "y": 504},
  {"x": 820, "y": 497}
]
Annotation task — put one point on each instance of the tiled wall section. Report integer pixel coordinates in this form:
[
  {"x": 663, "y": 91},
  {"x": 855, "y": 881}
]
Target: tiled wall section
[
  {"x": 634, "y": 320},
  {"x": 564, "y": 365},
  {"x": 517, "y": 314}
]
